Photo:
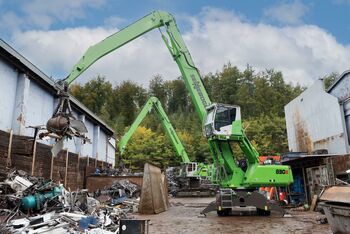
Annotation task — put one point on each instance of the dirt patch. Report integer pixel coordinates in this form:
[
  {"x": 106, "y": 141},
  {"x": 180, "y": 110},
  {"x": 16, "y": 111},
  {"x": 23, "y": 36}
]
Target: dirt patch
[{"x": 184, "y": 219}]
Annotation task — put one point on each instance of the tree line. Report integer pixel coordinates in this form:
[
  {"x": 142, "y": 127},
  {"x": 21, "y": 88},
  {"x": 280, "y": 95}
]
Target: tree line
[{"x": 261, "y": 96}]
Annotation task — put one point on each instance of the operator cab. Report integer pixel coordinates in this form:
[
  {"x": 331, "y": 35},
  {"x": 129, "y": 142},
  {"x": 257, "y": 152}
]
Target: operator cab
[
  {"x": 219, "y": 119},
  {"x": 189, "y": 169}
]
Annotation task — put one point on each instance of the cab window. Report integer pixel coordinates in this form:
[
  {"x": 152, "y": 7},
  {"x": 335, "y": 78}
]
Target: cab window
[{"x": 224, "y": 116}]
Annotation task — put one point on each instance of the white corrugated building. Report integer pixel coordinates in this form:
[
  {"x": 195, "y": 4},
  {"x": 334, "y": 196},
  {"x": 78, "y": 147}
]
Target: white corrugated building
[{"x": 28, "y": 98}]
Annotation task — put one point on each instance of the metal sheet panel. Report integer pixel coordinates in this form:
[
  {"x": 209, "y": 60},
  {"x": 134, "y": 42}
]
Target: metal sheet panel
[
  {"x": 337, "y": 194},
  {"x": 40, "y": 107},
  {"x": 154, "y": 198},
  {"x": 338, "y": 217},
  {"x": 102, "y": 149},
  {"x": 86, "y": 149},
  {"x": 111, "y": 150},
  {"x": 8, "y": 81},
  {"x": 317, "y": 178},
  {"x": 314, "y": 121},
  {"x": 341, "y": 88},
  {"x": 346, "y": 106},
  {"x": 32, "y": 103}
]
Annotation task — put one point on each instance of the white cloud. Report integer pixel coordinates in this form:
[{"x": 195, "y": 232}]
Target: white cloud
[
  {"x": 287, "y": 13},
  {"x": 303, "y": 53},
  {"x": 57, "y": 51},
  {"x": 42, "y": 13},
  {"x": 114, "y": 21}
]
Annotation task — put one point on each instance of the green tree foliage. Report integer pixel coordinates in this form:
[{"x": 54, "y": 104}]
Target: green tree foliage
[
  {"x": 329, "y": 79},
  {"x": 268, "y": 132},
  {"x": 148, "y": 146},
  {"x": 261, "y": 96},
  {"x": 95, "y": 94},
  {"x": 127, "y": 99},
  {"x": 157, "y": 88},
  {"x": 177, "y": 96}
]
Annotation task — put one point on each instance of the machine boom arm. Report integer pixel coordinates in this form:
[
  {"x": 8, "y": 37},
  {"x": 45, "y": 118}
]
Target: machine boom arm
[
  {"x": 154, "y": 103},
  {"x": 229, "y": 174},
  {"x": 174, "y": 42}
]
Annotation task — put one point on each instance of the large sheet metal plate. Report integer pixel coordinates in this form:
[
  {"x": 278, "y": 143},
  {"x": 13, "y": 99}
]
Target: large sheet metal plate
[
  {"x": 154, "y": 197},
  {"x": 337, "y": 194}
]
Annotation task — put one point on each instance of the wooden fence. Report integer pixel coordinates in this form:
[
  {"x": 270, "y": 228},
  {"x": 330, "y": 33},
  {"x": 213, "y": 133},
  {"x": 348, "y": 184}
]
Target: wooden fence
[{"x": 22, "y": 153}]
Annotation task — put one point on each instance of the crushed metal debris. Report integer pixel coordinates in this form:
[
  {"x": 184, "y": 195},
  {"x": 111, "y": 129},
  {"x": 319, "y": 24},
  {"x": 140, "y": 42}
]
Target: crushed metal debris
[{"x": 31, "y": 204}]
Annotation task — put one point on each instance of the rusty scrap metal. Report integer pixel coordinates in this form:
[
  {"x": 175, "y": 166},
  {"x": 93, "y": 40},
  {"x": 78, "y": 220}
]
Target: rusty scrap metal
[
  {"x": 68, "y": 211},
  {"x": 63, "y": 124},
  {"x": 336, "y": 194}
]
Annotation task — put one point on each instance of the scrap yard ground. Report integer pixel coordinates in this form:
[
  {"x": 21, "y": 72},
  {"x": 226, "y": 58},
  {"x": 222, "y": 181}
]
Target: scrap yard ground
[{"x": 182, "y": 217}]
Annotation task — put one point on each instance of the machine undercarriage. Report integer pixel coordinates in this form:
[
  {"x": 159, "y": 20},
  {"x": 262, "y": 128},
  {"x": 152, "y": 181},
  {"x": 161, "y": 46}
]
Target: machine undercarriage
[{"x": 227, "y": 199}]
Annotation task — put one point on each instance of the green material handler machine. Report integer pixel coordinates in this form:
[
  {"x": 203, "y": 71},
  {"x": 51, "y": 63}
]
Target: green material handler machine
[
  {"x": 222, "y": 124},
  {"x": 189, "y": 169},
  {"x": 193, "y": 177}
]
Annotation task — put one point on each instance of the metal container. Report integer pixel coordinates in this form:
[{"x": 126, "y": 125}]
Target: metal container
[
  {"x": 133, "y": 226},
  {"x": 338, "y": 216}
]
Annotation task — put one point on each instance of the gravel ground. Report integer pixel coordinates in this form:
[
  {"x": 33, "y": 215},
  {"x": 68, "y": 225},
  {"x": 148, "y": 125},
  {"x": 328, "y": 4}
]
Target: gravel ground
[{"x": 183, "y": 217}]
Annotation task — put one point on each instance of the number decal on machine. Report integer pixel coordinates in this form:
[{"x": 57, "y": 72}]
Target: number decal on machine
[{"x": 280, "y": 171}]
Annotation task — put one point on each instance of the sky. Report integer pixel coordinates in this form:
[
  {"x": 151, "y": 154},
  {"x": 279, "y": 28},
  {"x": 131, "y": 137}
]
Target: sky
[{"x": 305, "y": 40}]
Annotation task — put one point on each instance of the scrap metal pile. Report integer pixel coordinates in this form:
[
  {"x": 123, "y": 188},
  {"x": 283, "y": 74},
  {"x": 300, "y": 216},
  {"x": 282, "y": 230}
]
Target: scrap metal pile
[
  {"x": 185, "y": 186},
  {"x": 30, "y": 204},
  {"x": 172, "y": 181},
  {"x": 120, "y": 171}
]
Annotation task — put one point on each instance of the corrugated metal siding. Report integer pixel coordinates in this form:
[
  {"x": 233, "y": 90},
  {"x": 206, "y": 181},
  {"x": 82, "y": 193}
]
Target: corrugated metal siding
[
  {"x": 87, "y": 148},
  {"x": 314, "y": 121},
  {"x": 25, "y": 103},
  {"x": 39, "y": 109},
  {"x": 8, "y": 82},
  {"x": 111, "y": 151},
  {"x": 346, "y": 106},
  {"x": 102, "y": 147},
  {"x": 341, "y": 88}
]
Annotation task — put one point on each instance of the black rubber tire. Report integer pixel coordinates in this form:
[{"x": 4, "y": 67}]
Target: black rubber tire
[
  {"x": 262, "y": 212},
  {"x": 224, "y": 212},
  {"x": 220, "y": 213}
]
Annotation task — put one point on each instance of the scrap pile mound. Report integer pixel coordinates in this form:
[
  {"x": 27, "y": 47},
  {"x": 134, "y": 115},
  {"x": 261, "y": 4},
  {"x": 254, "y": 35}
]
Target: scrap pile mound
[
  {"x": 121, "y": 170},
  {"x": 121, "y": 192},
  {"x": 172, "y": 180},
  {"x": 30, "y": 204}
]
